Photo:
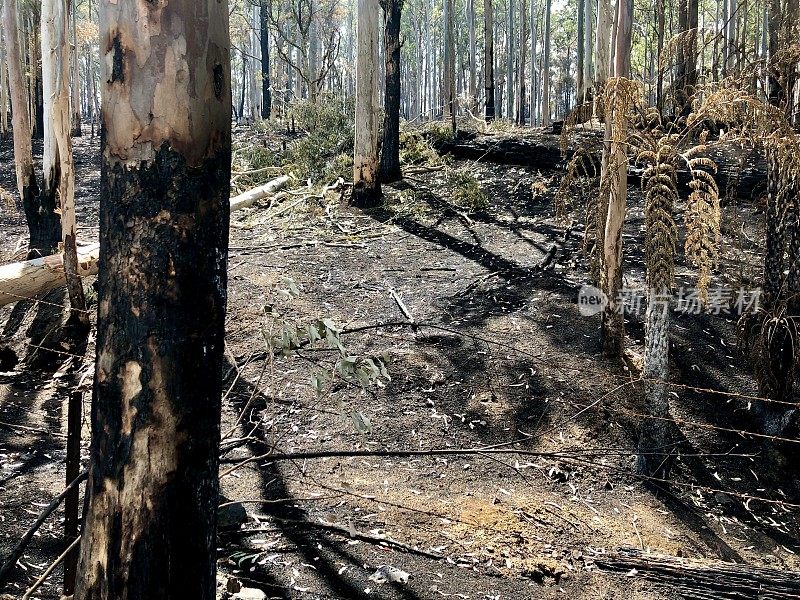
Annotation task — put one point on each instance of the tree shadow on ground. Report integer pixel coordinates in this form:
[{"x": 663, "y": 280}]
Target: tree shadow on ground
[{"x": 293, "y": 521}]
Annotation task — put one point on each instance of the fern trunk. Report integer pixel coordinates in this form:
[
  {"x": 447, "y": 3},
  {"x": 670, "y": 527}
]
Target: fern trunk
[{"x": 653, "y": 458}]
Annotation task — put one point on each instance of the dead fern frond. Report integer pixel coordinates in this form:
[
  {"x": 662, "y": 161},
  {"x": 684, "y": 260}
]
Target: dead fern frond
[
  {"x": 584, "y": 165},
  {"x": 703, "y": 220},
  {"x": 659, "y": 182}
]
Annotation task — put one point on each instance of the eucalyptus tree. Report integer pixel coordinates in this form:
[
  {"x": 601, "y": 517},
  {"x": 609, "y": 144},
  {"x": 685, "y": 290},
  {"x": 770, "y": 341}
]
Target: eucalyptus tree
[
  {"x": 488, "y": 58},
  {"x": 58, "y": 183},
  {"x": 366, "y": 185},
  {"x": 390, "y": 148},
  {"x": 150, "y": 525}
]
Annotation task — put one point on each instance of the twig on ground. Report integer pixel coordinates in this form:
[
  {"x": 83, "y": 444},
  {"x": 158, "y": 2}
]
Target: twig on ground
[{"x": 19, "y": 549}]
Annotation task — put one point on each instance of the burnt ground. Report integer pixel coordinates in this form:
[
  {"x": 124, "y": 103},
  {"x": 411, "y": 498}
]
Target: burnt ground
[{"x": 501, "y": 355}]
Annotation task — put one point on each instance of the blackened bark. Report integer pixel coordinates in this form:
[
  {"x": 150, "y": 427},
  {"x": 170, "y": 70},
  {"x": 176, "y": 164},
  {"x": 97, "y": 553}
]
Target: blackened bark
[
  {"x": 390, "y": 149},
  {"x": 266, "y": 103},
  {"x": 686, "y": 72},
  {"x": 488, "y": 31},
  {"x": 44, "y": 223},
  {"x": 657, "y": 437},
  {"x": 156, "y": 410},
  {"x": 39, "y": 132}
]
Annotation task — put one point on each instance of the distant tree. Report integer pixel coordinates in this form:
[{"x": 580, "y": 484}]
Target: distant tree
[
  {"x": 266, "y": 83},
  {"x": 488, "y": 60},
  {"x": 546, "y": 113},
  {"x": 150, "y": 527},
  {"x": 76, "y": 75}
]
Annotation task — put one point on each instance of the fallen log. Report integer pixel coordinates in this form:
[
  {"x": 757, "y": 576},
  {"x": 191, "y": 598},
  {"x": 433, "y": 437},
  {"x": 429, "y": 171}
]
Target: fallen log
[
  {"x": 249, "y": 198},
  {"x": 543, "y": 151},
  {"x": 33, "y": 278},
  {"x": 704, "y": 580}
]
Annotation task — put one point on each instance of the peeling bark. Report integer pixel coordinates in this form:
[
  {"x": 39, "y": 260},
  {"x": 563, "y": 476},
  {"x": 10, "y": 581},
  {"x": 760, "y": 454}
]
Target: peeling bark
[
  {"x": 151, "y": 523},
  {"x": 58, "y": 190}
]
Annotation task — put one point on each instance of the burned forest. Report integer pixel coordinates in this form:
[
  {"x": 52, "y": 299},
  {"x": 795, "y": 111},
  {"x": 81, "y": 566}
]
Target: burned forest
[{"x": 399, "y": 299}]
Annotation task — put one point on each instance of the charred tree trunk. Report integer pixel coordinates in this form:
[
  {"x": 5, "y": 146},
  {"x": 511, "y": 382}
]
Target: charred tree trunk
[
  {"x": 686, "y": 70},
  {"x": 43, "y": 223},
  {"x": 581, "y": 59},
  {"x": 266, "y": 84},
  {"x": 488, "y": 58},
  {"x": 150, "y": 530},
  {"x": 776, "y": 329},
  {"x": 366, "y": 187},
  {"x": 390, "y": 148}
]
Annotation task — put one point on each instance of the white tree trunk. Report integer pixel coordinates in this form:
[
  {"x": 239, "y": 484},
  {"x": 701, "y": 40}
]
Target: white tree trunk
[
  {"x": 510, "y": 62},
  {"x": 57, "y": 164},
  {"x": 546, "y": 67},
  {"x": 613, "y": 322},
  {"x": 473, "y": 55},
  {"x": 366, "y": 188},
  {"x": 3, "y": 83},
  {"x": 603, "y": 44},
  {"x": 255, "y": 70},
  {"x": 76, "y": 76}
]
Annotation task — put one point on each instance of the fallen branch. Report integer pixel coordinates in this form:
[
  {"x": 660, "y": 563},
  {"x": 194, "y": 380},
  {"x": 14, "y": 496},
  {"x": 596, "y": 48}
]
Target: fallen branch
[
  {"x": 19, "y": 549},
  {"x": 38, "y": 583},
  {"x": 349, "y": 532},
  {"x": 704, "y": 580},
  {"x": 30, "y": 279},
  {"x": 250, "y": 197}
]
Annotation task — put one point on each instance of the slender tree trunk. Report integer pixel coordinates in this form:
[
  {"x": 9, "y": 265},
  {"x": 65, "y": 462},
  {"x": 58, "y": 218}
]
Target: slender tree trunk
[
  {"x": 580, "y": 80},
  {"x": 150, "y": 529},
  {"x": 510, "y": 62},
  {"x": 473, "y": 56},
  {"x": 488, "y": 58},
  {"x": 603, "y": 44},
  {"x": 546, "y": 67},
  {"x": 4, "y": 100},
  {"x": 366, "y": 187},
  {"x": 266, "y": 84},
  {"x": 613, "y": 321},
  {"x": 390, "y": 148},
  {"x": 588, "y": 17},
  {"x": 57, "y": 163},
  {"x": 313, "y": 55},
  {"x": 448, "y": 80},
  {"x": 76, "y": 77},
  {"x": 255, "y": 86},
  {"x": 521, "y": 64},
  {"x": 534, "y": 40},
  {"x": 43, "y": 223}
]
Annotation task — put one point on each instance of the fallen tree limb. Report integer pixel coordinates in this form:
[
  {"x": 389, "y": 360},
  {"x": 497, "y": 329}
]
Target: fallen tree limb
[
  {"x": 703, "y": 580},
  {"x": 250, "y": 197},
  {"x": 19, "y": 549},
  {"x": 31, "y": 279}
]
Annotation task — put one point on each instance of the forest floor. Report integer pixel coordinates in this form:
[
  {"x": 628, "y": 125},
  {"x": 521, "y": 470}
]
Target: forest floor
[{"x": 500, "y": 354}]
